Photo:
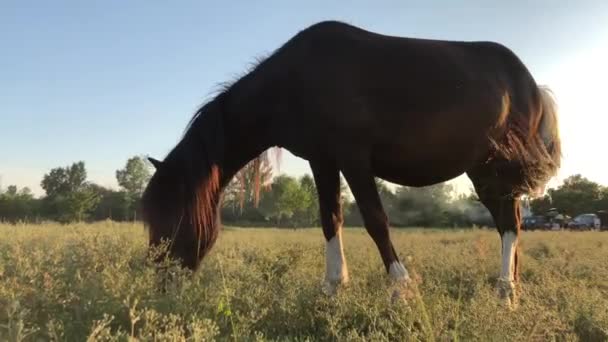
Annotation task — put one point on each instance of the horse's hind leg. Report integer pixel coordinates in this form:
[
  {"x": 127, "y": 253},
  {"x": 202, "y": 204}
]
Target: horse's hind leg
[
  {"x": 327, "y": 180},
  {"x": 362, "y": 184},
  {"x": 497, "y": 194}
]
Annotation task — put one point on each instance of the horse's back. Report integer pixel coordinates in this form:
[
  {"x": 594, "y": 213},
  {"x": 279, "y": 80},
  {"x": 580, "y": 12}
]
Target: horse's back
[
  {"x": 364, "y": 79},
  {"x": 337, "y": 60},
  {"x": 341, "y": 38},
  {"x": 412, "y": 103}
]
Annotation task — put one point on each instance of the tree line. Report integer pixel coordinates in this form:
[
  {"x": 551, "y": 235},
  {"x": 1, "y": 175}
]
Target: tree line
[
  {"x": 576, "y": 195},
  {"x": 70, "y": 197},
  {"x": 282, "y": 200}
]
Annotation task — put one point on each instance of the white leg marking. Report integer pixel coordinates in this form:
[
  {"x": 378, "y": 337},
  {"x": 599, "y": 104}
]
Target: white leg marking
[
  {"x": 398, "y": 272},
  {"x": 400, "y": 278},
  {"x": 336, "y": 271},
  {"x": 506, "y": 285},
  {"x": 509, "y": 241}
]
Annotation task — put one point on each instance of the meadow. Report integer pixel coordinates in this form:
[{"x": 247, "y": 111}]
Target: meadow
[{"x": 91, "y": 282}]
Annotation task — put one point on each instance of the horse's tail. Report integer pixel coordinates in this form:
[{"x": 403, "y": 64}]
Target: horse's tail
[
  {"x": 549, "y": 128},
  {"x": 533, "y": 141},
  {"x": 547, "y": 136}
]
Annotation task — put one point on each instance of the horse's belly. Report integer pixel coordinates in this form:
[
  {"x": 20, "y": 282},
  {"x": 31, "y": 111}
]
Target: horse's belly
[
  {"x": 424, "y": 166},
  {"x": 416, "y": 175}
]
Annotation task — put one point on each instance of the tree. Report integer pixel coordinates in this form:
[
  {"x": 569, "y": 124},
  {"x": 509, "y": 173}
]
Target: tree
[
  {"x": 16, "y": 205},
  {"x": 133, "y": 179},
  {"x": 603, "y": 201},
  {"x": 284, "y": 200},
  {"x": 80, "y": 204},
  {"x": 114, "y": 205},
  {"x": 309, "y": 211},
  {"x": 66, "y": 180},
  {"x": 240, "y": 198},
  {"x": 577, "y": 195},
  {"x": 541, "y": 205},
  {"x": 11, "y": 190},
  {"x": 423, "y": 206},
  {"x": 387, "y": 197},
  {"x": 134, "y": 176},
  {"x": 246, "y": 186},
  {"x": 69, "y": 197}
]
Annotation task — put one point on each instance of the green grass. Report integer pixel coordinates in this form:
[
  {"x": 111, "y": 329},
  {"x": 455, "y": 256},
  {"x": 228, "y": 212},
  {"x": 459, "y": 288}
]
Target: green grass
[{"x": 94, "y": 282}]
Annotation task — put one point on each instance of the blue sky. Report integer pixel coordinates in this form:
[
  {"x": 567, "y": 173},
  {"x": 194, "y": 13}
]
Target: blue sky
[{"x": 101, "y": 81}]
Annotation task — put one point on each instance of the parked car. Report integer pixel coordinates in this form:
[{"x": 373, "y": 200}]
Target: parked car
[
  {"x": 585, "y": 221},
  {"x": 535, "y": 222}
]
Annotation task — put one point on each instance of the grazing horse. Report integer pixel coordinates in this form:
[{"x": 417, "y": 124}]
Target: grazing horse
[{"x": 413, "y": 112}]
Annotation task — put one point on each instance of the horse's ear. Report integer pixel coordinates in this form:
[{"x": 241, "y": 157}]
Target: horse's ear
[{"x": 155, "y": 162}]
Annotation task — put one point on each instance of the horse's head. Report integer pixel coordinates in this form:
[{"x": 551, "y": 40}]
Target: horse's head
[{"x": 180, "y": 208}]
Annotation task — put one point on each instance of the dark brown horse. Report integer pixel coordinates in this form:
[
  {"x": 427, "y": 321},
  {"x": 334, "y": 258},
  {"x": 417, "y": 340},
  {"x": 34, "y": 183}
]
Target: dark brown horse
[{"x": 411, "y": 111}]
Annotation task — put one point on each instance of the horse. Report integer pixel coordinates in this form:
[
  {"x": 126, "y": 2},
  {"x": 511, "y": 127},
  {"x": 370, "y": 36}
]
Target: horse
[{"x": 412, "y": 111}]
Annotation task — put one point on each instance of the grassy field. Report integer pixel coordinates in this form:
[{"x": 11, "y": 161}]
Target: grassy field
[{"x": 94, "y": 282}]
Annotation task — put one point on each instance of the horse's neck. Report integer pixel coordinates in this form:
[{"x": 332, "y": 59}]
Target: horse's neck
[
  {"x": 246, "y": 136},
  {"x": 237, "y": 156}
]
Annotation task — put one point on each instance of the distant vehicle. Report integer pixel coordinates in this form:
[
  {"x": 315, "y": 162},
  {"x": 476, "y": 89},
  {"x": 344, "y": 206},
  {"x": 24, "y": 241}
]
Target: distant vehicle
[
  {"x": 585, "y": 221},
  {"x": 535, "y": 222},
  {"x": 555, "y": 219}
]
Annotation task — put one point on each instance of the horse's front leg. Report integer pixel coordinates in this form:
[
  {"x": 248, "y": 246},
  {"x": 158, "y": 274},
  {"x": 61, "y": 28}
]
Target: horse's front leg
[
  {"x": 508, "y": 274},
  {"x": 327, "y": 181},
  {"x": 361, "y": 181},
  {"x": 506, "y": 213}
]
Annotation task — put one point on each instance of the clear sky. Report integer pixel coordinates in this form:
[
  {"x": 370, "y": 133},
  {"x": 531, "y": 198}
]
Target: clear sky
[{"x": 101, "y": 81}]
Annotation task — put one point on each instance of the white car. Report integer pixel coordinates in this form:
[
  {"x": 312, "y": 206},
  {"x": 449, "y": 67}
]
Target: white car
[{"x": 585, "y": 221}]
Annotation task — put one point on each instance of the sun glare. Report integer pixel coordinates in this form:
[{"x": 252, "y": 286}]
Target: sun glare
[{"x": 579, "y": 85}]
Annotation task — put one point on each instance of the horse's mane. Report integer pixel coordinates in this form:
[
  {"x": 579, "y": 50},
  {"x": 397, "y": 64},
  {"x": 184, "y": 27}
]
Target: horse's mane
[
  {"x": 222, "y": 88},
  {"x": 221, "y": 91}
]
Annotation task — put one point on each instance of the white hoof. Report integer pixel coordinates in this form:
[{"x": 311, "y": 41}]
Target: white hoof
[
  {"x": 330, "y": 287},
  {"x": 507, "y": 292},
  {"x": 398, "y": 273},
  {"x": 400, "y": 283},
  {"x": 336, "y": 271},
  {"x": 400, "y": 295}
]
